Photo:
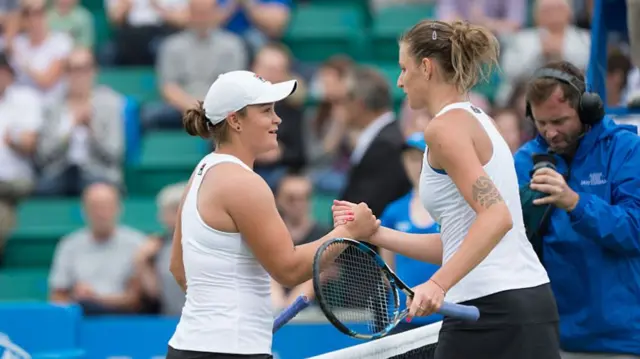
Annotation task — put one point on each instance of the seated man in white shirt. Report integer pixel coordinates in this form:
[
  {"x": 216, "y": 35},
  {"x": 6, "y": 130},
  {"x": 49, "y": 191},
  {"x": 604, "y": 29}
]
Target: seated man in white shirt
[{"x": 94, "y": 266}]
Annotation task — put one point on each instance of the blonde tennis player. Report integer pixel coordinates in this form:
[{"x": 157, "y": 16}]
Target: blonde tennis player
[{"x": 468, "y": 184}]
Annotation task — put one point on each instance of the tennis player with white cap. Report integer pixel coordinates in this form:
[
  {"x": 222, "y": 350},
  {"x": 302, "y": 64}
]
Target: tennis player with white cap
[{"x": 230, "y": 238}]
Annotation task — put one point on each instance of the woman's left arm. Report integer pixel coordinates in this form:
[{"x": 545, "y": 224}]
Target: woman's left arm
[{"x": 453, "y": 150}]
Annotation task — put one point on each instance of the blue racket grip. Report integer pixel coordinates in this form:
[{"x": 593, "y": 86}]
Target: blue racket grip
[
  {"x": 465, "y": 312},
  {"x": 290, "y": 312}
]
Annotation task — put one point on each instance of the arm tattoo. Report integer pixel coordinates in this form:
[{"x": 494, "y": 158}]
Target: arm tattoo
[{"x": 485, "y": 193}]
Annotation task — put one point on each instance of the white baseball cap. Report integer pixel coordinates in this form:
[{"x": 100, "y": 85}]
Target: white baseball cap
[{"x": 234, "y": 90}]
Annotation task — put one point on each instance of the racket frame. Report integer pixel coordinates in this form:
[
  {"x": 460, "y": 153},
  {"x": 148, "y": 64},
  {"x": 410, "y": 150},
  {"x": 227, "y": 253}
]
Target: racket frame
[
  {"x": 395, "y": 284},
  {"x": 464, "y": 312}
]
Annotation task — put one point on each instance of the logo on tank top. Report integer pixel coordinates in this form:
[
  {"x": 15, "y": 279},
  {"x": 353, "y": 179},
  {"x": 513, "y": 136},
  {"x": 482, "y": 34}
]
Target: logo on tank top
[
  {"x": 402, "y": 226},
  {"x": 201, "y": 169},
  {"x": 259, "y": 78},
  {"x": 476, "y": 110}
]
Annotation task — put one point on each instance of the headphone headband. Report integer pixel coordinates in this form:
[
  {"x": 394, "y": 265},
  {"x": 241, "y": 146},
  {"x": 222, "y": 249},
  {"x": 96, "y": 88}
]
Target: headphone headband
[{"x": 578, "y": 84}]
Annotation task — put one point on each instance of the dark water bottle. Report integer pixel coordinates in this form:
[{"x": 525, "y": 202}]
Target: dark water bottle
[
  {"x": 543, "y": 160},
  {"x": 536, "y": 216}
]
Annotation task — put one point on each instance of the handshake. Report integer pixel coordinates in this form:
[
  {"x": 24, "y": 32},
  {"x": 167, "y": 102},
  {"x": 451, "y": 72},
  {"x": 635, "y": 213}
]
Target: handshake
[{"x": 357, "y": 219}]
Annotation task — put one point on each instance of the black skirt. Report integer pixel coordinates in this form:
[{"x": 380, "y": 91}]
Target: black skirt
[
  {"x": 514, "y": 324},
  {"x": 190, "y": 354}
]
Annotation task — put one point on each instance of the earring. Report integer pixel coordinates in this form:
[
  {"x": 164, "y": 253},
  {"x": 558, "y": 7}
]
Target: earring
[{"x": 238, "y": 128}]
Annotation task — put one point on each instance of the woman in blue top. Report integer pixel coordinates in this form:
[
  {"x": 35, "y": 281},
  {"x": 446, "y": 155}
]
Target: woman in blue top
[{"x": 407, "y": 214}]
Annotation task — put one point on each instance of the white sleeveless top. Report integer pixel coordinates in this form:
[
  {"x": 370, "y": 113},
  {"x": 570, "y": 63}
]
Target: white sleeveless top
[
  {"x": 228, "y": 302},
  {"x": 512, "y": 264}
]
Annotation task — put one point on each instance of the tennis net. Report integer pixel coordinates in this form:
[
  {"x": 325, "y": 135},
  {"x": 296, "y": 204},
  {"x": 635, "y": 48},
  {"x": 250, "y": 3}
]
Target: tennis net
[{"x": 413, "y": 344}]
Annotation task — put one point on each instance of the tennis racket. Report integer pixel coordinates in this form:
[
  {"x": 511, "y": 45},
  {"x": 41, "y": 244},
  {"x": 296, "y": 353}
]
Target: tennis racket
[
  {"x": 362, "y": 297},
  {"x": 291, "y": 311}
]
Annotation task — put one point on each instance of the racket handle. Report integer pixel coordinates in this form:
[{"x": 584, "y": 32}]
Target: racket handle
[
  {"x": 465, "y": 312},
  {"x": 290, "y": 312}
]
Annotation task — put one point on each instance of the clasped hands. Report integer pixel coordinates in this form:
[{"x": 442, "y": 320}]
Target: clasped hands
[{"x": 428, "y": 296}]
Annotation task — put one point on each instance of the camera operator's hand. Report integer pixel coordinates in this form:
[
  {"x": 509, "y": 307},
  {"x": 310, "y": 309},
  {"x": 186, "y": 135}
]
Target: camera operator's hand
[{"x": 559, "y": 193}]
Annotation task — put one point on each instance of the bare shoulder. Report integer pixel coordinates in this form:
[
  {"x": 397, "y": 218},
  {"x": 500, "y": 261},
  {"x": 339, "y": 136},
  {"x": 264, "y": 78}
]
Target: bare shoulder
[
  {"x": 449, "y": 128},
  {"x": 237, "y": 185}
]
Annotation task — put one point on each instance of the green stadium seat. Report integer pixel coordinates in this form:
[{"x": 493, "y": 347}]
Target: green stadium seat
[
  {"x": 490, "y": 87},
  {"x": 390, "y": 23},
  {"x": 321, "y": 208},
  {"x": 93, "y": 5},
  {"x": 141, "y": 214},
  {"x": 167, "y": 157},
  {"x": 317, "y": 32},
  {"x": 101, "y": 27},
  {"x": 23, "y": 284},
  {"x": 360, "y": 5},
  {"x": 136, "y": 82},
  {"x": 43, "y": 222},
  {"x": 47, "y": 218}
]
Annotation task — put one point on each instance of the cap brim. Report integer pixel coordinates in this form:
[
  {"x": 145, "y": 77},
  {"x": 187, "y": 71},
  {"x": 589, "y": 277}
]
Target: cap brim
[{"x": 277, "y": 92}]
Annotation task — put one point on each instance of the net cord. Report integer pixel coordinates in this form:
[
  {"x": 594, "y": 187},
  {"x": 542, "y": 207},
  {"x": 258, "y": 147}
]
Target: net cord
[{"x": 389, "y": 346}]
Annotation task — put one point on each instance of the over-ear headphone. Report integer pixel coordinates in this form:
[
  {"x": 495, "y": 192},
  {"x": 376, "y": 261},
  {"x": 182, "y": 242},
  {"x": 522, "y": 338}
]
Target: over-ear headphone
[{"x": 590, "y": 106}]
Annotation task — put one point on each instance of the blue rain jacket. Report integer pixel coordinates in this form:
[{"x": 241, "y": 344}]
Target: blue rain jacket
[{"x": 592, "y": 254}]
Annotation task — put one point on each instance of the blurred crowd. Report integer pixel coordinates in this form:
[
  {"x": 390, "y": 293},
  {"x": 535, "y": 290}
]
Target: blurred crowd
[{"x": 61, "y": 133}]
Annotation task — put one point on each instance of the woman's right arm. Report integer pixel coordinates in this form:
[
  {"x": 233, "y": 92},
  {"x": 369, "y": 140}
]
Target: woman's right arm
[
  {"x": 423, "y": 247},
  {"x": 251, "y": 204}
]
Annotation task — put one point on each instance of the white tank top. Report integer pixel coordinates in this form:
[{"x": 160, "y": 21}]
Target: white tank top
[
  {"x": 228, "y": 302},
  {"x": 512, "y": 263}
]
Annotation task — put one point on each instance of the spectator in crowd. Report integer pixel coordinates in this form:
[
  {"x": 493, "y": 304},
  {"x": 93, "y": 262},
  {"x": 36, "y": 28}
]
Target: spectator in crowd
[
  {"x": 84, "y": 138},
  {"x": 553, "y": 38},
  {"x": 185, "y": 79},
  {"x": 21, "y": 117},
  {"x": 293, "y": 198},
  {"x": 590, "y": 242},
  {"x": 256, "y": 21},
  {"x": 273, "y": 63},
  {"x": 94, "y": 266},
  {"x": 68, "y": 17},
  {"x": 140, "y": 26},
  {"x": 503, "y": 17},
  {"x": 377, "y": 174},
  {"x": 9, "y": 23},
  {"x": 407, "y": 214},
  {"x": 618, "y": 68},
  {"x": 159, "y": 288},
  {"x": 39, "y": 54},
  {"x": 327, "y": 134},
  {"x": 510, "y": 126}
]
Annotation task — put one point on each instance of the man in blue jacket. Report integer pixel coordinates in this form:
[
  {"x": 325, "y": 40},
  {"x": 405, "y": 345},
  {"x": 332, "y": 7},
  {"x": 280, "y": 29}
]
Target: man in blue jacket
[{"x": 591, "y": 241}]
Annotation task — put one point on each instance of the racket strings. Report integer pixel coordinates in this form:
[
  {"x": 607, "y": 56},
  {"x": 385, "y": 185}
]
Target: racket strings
[{"x": 357, "y": 290}]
